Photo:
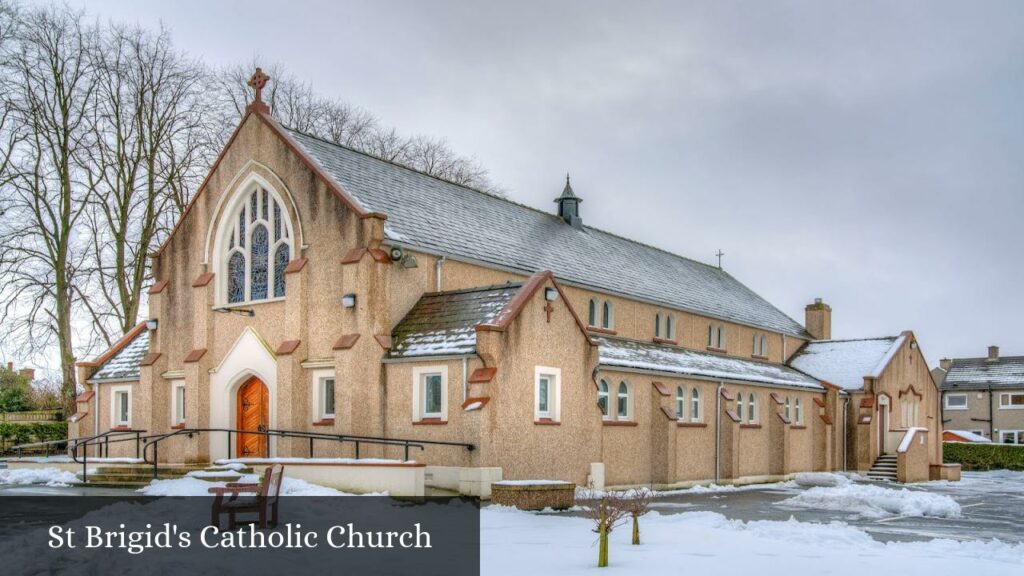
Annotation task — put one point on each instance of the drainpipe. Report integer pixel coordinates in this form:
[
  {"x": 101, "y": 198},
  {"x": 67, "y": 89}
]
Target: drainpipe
[
  {"x": 96, "y": 411},
  {"x": 846, "y": 412},
  {"x": 465, "y": 379},
  {"x": 437, "y": 270},
  {"x": 718, "y": 431},
  {"x": 991, "y": 424}
]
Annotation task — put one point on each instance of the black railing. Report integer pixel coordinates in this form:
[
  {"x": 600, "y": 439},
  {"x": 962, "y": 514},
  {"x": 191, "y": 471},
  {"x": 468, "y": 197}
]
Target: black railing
[
  {"x": 404, "y": 443},
  {"x": 20, "y": 448},
  {"x": 102, "y": 443}
]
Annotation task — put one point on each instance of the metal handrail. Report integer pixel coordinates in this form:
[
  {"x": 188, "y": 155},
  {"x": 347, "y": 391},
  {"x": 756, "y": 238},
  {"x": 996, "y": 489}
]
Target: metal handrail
[
  {"x": 20, "y": 447},
  {"x": 102, "y": 442},
  {"x": 154, "y": 441}
]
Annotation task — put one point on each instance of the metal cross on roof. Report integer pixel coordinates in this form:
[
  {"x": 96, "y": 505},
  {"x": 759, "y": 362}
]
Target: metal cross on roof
[{"x": 719, "y": 254}]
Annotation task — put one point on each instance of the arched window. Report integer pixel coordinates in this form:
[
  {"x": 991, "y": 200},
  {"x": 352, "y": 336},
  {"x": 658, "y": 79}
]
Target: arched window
[
  {"x": 680, "y": 403},
  {"x": 657, "y": 325},
  {"x": 257, "y": 240},
  {"x": 623, "y": 401},
  {"x": 799, "y": 412},
  {"x": 764, "y": 345},
  {"x": 670, "y": 326},
  {"x": 695, "y": 405},
  {"x": 752, "y": 408},
  {"x": 608, "y": 319},
  {"x": 592, "y": 316},
  {"x": 602, "y": 396},
  {"x": 739, "y": 406},
  {"x": 787, "y": 409}
]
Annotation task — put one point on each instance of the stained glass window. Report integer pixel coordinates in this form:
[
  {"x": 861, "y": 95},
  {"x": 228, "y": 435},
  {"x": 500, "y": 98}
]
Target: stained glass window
[
  {"x": 260, "y": 252},
  {"x": 258, "y": 248},
  {"x": 236, "y": 278},
  {"x": 280, "y": 262}
]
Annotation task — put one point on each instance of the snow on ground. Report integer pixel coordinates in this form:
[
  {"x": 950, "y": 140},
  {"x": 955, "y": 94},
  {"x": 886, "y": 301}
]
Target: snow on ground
[
  {"x": 714, "y": 488},
  {"x": 872, "y": 501},
  {"x": 513, "y": 542},
  {"x": 226, "y": 461},
  {"x": 810, "y": 479},
  {"x": 48, "y": 476},
  {"x": 192, "y": 486}
]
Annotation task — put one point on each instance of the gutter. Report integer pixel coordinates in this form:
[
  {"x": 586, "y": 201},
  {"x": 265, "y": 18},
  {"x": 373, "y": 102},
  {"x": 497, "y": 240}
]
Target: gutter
[
  {"x": 613, "y": 368},
  {"x": 718, "y": 431}
]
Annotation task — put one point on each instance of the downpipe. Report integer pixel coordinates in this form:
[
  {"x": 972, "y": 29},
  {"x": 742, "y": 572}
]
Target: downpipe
[
  {"x": 846, "y": 431},
  {"x": 718, "y": 432},
  {"x": 437, "y": 270}
]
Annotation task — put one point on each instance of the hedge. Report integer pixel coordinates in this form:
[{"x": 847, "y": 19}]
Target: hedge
[
  {"x": 16, "y": 433},
  {"x": 984, "y": 456}
]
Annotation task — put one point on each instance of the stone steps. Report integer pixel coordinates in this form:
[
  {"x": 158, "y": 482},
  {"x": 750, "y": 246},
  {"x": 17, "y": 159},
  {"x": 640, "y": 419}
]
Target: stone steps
[
  {"x": 139, "y": 475},
  {"x": 884, "y": 468}
]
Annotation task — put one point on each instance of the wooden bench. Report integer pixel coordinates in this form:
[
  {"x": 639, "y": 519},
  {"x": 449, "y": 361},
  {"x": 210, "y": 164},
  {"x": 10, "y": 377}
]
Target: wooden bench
[{"x": 236, "y": 498}]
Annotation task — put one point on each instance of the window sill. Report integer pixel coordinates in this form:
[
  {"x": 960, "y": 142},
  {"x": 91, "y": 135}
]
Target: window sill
[
  {"x": 691, "y": 424},
  {"x": 247, "y": 303},
  {"x": 619, "y": 423},
  {"x": 430, "y": 422},
  {"x": 798, "y": 427},
  {"x": 120, "y": 428},
  {"x": 600, "y": 330},
  {"x": 759, "y": 357},
  {"x": 178, "y": 426},
  {"x": 324, "y": 422},
  {"x": 717, "y": 350},
  {"x": 668, "y": 341},
  {"x": 546, "y": 422},
  {"x": 751, "y": 426}
]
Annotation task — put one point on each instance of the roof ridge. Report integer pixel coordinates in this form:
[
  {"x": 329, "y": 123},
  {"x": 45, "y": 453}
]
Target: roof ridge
[
  {"x": 487, "y": 288},
  {"x": 1001, "y": 357},
  {"x": 853, "y": 339},
  {"x": 499, "y": 197}
]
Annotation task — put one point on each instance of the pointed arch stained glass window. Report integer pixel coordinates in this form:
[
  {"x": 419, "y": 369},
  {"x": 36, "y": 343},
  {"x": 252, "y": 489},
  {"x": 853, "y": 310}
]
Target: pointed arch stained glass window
[
  {"x": 260, "y": 252},
  {"x": 236, "y": 277},
  {"x": 280, "y": 262}
]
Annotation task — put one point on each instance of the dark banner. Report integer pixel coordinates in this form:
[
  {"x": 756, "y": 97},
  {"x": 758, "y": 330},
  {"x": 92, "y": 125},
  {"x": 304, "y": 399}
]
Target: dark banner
[{"x": 188, "y": 535}]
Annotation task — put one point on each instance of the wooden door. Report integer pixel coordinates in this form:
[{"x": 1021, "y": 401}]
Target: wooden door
[{"x": 253, "y": 414}]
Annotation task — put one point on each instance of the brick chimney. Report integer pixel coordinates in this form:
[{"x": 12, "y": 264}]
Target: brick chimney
[
  {"x": 945, "y": 364},
  {"x": 818, "y": 320},
  {"x": 28, "y": 373},
  {"x": 993, "y": 353}
]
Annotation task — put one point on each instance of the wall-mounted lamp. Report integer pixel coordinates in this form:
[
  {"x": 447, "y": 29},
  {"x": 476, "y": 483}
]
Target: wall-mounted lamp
[
  {"x": 152, "y": 324},
  {"x": 409, "y": 261},
  {"x": 550, "y": 294},
  {"x": 348, "y": 300},
  {"x": 913, "y": 345}
]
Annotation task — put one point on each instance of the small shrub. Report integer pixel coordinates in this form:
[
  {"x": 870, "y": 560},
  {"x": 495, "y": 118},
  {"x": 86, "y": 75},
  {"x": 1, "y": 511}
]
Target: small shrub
[{"x": 984, "y": 456}]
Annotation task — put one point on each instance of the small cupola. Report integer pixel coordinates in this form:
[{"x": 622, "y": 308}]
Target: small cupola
[{"x": 569, "y": 205}]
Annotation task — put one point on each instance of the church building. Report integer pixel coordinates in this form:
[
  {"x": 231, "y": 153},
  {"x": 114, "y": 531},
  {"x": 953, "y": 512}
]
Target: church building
[{"x": 311, "y": 291}]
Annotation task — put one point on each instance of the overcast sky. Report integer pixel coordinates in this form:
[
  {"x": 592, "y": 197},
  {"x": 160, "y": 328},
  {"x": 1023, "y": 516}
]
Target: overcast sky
[{"x": 871, "y": 154}]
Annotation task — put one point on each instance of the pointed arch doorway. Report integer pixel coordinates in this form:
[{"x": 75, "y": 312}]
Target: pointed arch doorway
[{"x": 253, "y": 404}]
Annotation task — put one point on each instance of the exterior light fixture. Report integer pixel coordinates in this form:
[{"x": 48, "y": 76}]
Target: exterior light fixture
[
  {"x": 409, "y": 261},
  {"x": 348, "y": 300},
  {"x": 550, "y": 294},
  {"x": 152, "y": 324}
]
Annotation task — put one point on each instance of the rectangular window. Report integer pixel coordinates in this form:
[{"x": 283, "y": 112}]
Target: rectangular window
[
  {"x": 1011, "y": 436},
  {"x": 431, "y": 393},
  {"x": 1011, "y": 401},
  {"x": 956, "y": 401},
  {"x": 979, "y": 432},
  {"x": 122, "y": 408},
  {"x": 178, "y": 413},
  {"x": 544, "y": 396},
  {"x": 327, "y": 398}
]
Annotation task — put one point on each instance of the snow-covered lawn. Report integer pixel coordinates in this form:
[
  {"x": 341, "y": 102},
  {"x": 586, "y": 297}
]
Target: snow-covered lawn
[
  {"x": 47, "y": 476},
  {"x": 872, "y": 501},
  {"x": 514, "y": 542}
]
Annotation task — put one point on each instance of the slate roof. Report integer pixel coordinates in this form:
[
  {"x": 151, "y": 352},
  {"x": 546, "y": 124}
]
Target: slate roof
[
  {"x": 979, "y": 373},
  {"x": 445, "y": 218},
  {"x": 620, "y": 353},
  {"x": 444, "y": 323},
  {"x": 125, "y": 364},
  {"x": 845, "y": 363}
]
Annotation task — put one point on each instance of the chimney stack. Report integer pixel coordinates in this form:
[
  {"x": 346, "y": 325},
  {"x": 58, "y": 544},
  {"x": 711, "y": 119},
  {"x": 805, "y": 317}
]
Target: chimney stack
[
  {"x": 28, "y": 373},
  {"x": 10, "y": 366},
  {"x": 818, "y": 320},
  {"x": 993, "y": 353},
  {"x": 945, "y": 364}
]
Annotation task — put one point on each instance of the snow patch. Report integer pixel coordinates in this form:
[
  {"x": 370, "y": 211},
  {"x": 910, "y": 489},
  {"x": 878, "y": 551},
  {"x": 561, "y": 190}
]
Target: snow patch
[
  {"x": 811, "y": 479},
  {"x": 47, "y": 476},
  {"x": 875, "y": 502}
]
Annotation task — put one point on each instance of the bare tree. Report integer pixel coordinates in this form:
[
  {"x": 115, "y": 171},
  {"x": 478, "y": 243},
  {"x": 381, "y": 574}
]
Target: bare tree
[
  {"x": 637, "y": 502},
  {"x": 607, "y": 511},
  {"x": 149, "y": 151},
  {"x": 49, "y": 92}
]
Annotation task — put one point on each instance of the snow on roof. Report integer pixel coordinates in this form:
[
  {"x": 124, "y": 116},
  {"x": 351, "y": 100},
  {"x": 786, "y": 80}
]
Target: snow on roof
[
  {"x": 845, "y": 363},
  {"x": 1002, "y": 372},
  {"x": 444, "y": 323},
  {"x": 970, "y": 436},
  {"x": 616, "y": 352},
  {"x": 446, "y": 218},
  {"x": 125, "y": 364}
]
